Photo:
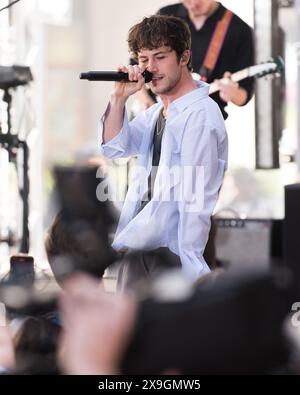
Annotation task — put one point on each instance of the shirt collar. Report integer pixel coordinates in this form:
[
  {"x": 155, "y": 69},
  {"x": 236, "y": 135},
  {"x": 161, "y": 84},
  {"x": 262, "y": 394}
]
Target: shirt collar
[
  {"x": 218, "y": 14},
  {"x": 180, "y": 104}
]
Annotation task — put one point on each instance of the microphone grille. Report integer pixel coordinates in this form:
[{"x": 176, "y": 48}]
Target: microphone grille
[{"x": 147, "y": 75}]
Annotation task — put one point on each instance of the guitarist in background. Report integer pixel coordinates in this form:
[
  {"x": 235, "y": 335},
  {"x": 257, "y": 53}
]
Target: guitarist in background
[{"x": 221, "y": 44}]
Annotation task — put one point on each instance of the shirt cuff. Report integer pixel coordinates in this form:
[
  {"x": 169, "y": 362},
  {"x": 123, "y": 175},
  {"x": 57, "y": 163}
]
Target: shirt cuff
[{"x": 116, "y": 147}]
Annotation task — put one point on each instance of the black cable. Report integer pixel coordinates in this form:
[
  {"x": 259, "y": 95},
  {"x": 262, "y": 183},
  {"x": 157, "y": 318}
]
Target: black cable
[{"x": 9, "y": 5}]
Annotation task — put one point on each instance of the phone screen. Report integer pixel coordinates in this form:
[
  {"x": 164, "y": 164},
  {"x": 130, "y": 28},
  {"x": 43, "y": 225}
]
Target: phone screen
[{"x": 21, "y": 269}]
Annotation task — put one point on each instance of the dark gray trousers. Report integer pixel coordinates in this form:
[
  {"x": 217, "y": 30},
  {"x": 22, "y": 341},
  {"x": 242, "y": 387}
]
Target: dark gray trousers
[{"x": 141, "y": 267}]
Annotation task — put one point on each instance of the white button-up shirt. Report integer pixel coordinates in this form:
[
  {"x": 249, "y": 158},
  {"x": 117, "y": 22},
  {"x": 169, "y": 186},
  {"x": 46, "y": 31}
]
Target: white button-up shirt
[{"x": 191, "y": 169}]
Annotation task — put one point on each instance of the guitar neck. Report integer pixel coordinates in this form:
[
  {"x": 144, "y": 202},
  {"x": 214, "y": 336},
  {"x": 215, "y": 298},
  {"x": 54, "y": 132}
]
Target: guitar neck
[
  {"x": 235, "y": 77},
  {"x": 240, "y": 75}
]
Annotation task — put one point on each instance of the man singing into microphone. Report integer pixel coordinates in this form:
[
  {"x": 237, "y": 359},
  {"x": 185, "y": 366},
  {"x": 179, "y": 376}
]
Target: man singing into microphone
[{"x": 181, "y": 145}]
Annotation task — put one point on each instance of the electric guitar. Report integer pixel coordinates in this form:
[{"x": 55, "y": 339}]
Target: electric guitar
[{"x": 273, "y": 67}]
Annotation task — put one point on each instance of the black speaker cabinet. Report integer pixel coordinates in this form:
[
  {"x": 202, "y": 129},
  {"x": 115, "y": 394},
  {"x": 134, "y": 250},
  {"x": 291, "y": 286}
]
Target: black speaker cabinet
[{"x": 291, "y": 233}]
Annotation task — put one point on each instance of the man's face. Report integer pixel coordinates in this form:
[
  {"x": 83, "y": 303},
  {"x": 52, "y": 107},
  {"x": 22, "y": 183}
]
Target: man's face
[
  {"x": 197, "y": 8},
  {"x": 163, "y": 63}
]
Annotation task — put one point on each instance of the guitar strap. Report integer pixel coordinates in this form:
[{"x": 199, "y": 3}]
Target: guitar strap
[{"x": 215, "y": 45}]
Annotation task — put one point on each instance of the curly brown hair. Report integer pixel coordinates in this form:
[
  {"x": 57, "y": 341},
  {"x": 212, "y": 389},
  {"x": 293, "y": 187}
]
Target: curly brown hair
[{"x": 157, "y": 31}]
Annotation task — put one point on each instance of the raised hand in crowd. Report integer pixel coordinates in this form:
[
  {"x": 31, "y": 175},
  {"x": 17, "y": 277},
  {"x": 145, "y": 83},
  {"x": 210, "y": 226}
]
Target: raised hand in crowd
[
  {"x": 7, "y": 354},
  {"x": 97, "y": 327}
]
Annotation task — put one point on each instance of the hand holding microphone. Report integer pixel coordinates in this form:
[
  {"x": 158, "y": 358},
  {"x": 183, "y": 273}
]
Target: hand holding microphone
[
  {"x": 112, "y": 76},
  {"x": 129, "y": 79}
]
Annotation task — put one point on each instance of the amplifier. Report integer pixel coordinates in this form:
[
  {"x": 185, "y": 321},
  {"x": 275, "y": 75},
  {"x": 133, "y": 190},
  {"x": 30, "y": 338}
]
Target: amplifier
[{"x": 244, "y": 242}]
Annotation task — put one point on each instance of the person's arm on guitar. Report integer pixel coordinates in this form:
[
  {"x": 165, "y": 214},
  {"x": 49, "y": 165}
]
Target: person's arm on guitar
[
  {"x": 239, "y": 93},
  {"x": 231, "y": 91}
]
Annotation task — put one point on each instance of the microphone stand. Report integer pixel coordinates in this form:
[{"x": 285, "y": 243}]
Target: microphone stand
[{"x": 13, "y": 144}]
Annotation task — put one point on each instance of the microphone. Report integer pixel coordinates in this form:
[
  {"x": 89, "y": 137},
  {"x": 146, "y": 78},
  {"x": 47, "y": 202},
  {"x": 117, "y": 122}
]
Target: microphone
[{"x": 111, "y": 76}]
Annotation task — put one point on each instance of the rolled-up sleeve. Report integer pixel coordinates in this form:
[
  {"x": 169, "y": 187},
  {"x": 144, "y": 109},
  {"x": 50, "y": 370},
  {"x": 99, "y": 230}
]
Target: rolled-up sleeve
[
  {"x": 127, "y": 142},
  {"x": 204, "y": 161}
]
